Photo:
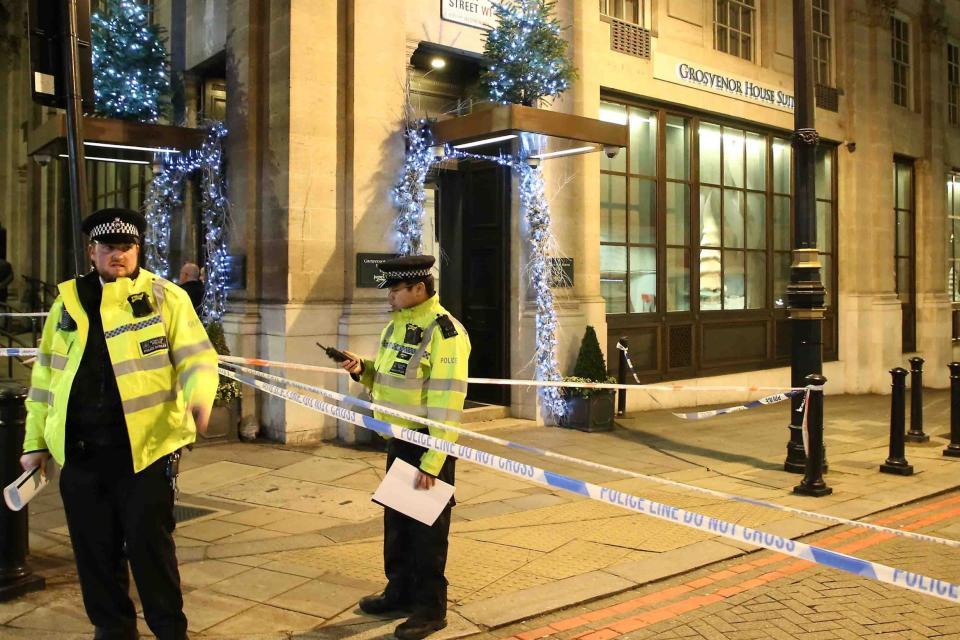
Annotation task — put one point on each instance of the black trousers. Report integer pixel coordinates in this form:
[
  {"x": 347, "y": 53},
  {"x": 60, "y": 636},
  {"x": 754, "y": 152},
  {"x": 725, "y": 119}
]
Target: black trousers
[
  {"x": 415, "y": 555},
  {"x": 114, "y": 515}
]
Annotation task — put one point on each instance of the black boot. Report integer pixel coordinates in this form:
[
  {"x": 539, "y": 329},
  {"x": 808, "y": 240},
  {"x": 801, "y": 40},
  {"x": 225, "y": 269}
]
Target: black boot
[
  {"x": 419, "y": 626},
  {"x": 382, "y": 605}
]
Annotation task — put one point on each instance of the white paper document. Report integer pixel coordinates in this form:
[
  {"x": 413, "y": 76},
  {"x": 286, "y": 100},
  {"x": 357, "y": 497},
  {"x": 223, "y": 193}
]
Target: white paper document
[
  {"x": 398, "y": 491},
  {"x": 19, "y": 492}
]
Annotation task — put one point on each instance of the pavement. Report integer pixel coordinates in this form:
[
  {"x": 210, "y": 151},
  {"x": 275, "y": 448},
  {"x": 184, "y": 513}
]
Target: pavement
[{"x": 284, "y": 540}]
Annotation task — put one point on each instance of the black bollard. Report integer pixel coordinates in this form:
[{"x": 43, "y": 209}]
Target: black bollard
[
  {"x": 16, "y": 578},
  {"x": 813, "y": 483},
  {"x": 622, "y": 375},
  {"x": 896, "y": 462},
  {"x": 953, "y": 449},
  {"x": 916, "y": 433}
]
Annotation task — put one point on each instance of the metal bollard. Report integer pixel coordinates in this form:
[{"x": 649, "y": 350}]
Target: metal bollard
[
  {"x": 916, "y": 433},
  {"x": 622, "y": 376},
  {"x": 953, "y": 449},
  {"x": 813, "y": 483},
  {"x": 16, "y": 578},
  {"x": 896, "y": 462}
]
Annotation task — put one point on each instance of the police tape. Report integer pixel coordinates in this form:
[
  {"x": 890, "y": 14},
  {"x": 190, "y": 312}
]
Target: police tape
[
  {"x": 258, "y": 362},
  {"x": 18, "y": 352},
  {"x": 595, "y": 465},
  {"x": 760, "y": 402},
  {"x": 919, "y": 583},
  {"x": 626, "y": 356},
  {"x": 42, "y": 314}
]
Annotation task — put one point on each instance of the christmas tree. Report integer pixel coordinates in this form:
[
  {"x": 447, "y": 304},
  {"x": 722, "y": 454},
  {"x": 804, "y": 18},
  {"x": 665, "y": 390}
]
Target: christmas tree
[
  {"x": 131, "y": 78},
  {"x": 528, "y": 58},
  {"x": 590, "y": 364}
]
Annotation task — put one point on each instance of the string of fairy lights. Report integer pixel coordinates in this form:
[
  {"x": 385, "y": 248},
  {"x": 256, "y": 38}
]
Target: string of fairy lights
[
  {"x": 165, "y": 195},
  {"x": 409, "y": 196}
]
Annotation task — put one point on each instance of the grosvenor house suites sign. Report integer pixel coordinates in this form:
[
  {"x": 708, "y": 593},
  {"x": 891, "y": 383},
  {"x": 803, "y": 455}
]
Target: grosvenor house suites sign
[
  {"x": 700, "y": 77},
  {"x": 473, "y": 13}
]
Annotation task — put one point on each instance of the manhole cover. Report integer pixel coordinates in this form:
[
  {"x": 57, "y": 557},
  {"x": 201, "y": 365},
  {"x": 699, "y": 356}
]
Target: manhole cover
[{"x": 183, "y": 512}]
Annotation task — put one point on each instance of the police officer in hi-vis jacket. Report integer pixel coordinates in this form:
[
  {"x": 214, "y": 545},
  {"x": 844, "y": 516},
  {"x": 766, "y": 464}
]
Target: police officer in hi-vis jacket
[
  {"x": 125, "y": 376},
  {"x": 421, "y": 368}
]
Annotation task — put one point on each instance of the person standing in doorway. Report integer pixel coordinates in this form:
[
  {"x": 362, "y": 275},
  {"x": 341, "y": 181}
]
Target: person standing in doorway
[
  {"x": 421, "y": 369},
  {"x": 190, "y": 282},
  {"x": 125, "y": 376}
]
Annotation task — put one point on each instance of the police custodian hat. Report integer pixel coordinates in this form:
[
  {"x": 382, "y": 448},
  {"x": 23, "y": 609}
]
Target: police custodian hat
[
  {"x": 404, "y": 269},
  {"x": 115, "y": 226}
]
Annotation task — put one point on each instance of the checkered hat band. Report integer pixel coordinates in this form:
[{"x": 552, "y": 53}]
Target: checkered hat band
[
  {"x": 396, "y": 275},
  {"x": 115, "y": 226}
]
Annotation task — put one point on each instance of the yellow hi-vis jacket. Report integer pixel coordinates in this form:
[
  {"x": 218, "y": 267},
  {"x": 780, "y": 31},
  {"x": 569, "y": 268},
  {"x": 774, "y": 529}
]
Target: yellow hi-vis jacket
[
  {"x": 162, "y": 361},
  {"x": 421, "y": 368}
]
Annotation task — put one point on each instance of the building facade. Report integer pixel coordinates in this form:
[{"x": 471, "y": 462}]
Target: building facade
[{"x": 681, "y": 243}]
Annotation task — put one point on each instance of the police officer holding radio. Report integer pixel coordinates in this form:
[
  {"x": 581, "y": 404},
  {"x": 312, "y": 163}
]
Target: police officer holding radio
[
  {"x": 421, "y": 369},
  {"x": 124, "y": 378}
]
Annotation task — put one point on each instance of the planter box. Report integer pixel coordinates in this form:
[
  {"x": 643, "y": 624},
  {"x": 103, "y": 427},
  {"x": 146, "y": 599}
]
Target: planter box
[
  {"x": 223, "y": 424},
  {"x": 590, "y": 414}
]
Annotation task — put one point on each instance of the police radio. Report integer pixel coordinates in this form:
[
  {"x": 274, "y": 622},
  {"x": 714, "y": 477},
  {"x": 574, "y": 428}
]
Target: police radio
[{"x": 334, "y": 354}]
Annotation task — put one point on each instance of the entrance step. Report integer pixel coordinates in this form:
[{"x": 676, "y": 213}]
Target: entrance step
[{"x": 476, "y": 412}]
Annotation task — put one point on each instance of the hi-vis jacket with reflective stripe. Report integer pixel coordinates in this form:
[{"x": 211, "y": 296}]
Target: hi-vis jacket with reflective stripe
[
  {"x": 163, "y": 361},
  {"x": 425, "y": 376}
]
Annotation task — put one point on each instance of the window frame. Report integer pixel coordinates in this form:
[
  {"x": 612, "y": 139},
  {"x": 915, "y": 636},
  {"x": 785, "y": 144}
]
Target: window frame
[
  {"x": 745, "y": 7},
  {"x": 829, "y": 38},
  {"x": 953, "y": 254},
  {"x": 908, "y": 306},
  {"x": 615, "y": 9},
  {"x": 704, "y": 324},
  {"x": 906, "y": 89},
  {"x": 953, "y": 83}
]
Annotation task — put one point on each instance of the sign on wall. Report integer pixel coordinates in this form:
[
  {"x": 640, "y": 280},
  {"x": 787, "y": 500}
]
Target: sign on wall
[
  {"x": 478, "y": 14},
  {"x": 698, "y": 76},
  {"x": 367, "y": 268}
]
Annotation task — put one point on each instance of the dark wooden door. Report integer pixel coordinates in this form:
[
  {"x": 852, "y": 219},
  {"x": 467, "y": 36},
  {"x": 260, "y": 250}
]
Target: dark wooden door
[{"x": 474, "y": 216}]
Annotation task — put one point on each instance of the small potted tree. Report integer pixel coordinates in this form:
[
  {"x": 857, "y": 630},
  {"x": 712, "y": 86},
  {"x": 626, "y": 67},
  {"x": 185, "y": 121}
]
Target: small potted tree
[
  {"x": 225, "y": 413},
  {"x": 589, "y": 409}
]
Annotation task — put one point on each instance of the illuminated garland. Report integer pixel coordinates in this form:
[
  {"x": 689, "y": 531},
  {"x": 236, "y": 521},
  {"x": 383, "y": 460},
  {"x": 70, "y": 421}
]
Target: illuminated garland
[
  {"x": 166, "y": 194},
  {"x": 409, "y": 197},
  {"x": 409, "y": 194}
]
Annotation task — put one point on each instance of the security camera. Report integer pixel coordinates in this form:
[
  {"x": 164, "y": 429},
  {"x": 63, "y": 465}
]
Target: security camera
[
  {"x": 437, "y": 152},
  {"x": 611, "y": 151},
  {"x": 42, "y": 159},
  {"x": 851, "y": 146}
]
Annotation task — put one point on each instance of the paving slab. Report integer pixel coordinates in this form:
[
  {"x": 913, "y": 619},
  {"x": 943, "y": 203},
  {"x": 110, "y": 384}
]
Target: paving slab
[{"x": 504, "y": 609}]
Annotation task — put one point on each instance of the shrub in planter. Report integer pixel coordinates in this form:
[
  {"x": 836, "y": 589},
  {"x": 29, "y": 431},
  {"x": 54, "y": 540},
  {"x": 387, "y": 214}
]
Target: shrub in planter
[{"x": 589, "y": 409}]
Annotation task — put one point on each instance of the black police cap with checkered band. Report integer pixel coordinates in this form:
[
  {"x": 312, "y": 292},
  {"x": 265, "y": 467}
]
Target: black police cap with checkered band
[
  {"x": 404, "y": 269},
  {"x": 115, "y": 226}
]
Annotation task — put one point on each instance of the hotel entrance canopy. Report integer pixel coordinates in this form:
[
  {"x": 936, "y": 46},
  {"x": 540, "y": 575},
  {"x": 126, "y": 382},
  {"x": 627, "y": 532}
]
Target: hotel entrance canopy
[{"x": 540, "y": 133}]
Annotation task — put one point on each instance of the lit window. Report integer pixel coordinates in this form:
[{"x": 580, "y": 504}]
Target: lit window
[{"x": 627, "y": 10}]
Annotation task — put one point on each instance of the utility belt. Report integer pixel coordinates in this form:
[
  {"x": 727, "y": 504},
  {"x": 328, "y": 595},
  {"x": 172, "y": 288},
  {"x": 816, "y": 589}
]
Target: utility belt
[{"x": 106, "y": 454}]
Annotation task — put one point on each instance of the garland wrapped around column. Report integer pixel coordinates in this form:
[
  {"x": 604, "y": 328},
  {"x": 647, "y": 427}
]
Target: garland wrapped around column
[
  {"x": 409, "y": 194},
  {"x": 165, "y": 194},
  {"x": 536, "y": 213}
]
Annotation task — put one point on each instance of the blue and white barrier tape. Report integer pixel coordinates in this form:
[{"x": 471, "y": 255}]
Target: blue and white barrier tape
[
  {"x": 258, "y": 362},
  {"x": 772, "y": 399},
  {"x": 18, "y": 352},
  {"x": 43, "y": 314},
  {"x": 626, "y": 356},
  {"x": 818, "y": 555},
  {"x": 338, "y": 397}
]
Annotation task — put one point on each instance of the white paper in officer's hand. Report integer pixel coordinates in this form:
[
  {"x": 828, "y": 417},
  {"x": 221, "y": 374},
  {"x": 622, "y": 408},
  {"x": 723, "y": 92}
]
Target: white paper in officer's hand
[
  {"x": 398, "y": 491},
  {"x": 22, "y": 490}
]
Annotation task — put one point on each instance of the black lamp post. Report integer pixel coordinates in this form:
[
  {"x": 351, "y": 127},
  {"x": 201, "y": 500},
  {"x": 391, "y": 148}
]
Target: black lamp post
[{"x": 805, "y": 293}]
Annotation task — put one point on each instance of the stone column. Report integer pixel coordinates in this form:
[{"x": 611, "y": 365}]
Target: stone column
[
  {"x": 869, "y": 310},
  {"x": 934, "y": 322}
]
